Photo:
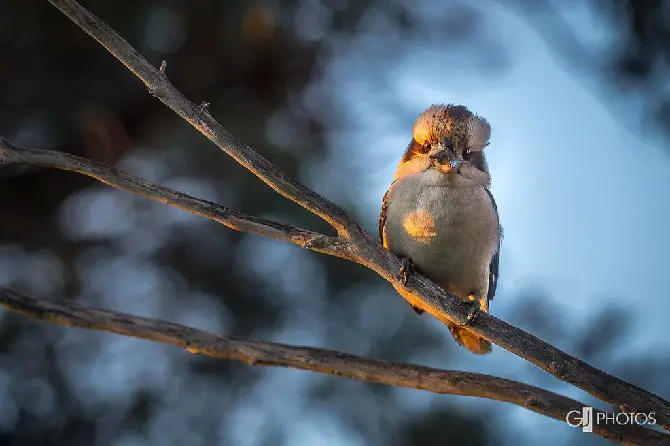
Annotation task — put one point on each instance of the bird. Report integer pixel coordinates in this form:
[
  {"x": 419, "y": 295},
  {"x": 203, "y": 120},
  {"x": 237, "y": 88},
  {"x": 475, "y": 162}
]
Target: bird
[{"x": 439, "y": 214}]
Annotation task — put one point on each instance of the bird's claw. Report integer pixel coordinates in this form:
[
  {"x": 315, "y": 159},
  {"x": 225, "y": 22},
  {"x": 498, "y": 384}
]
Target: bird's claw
[
  {"x": 472, "y": 312},
  {"x": 406, "y": 270}
]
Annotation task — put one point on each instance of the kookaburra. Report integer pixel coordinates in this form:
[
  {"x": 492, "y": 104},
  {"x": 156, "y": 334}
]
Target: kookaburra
[{"x": 439, "y": 214}]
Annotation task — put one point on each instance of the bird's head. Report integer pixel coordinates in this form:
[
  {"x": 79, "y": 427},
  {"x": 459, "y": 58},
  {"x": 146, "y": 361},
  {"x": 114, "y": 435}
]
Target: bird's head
[{"x": 449, "y": 139}]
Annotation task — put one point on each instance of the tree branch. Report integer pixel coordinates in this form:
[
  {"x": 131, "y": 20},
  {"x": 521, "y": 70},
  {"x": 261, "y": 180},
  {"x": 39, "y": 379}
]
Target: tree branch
[
  {"x": 263, "y": 353},
  {"x": 159, "y": 86},
  {"x": 364, "y": 249},
  {"x": 10, "y": 154}
]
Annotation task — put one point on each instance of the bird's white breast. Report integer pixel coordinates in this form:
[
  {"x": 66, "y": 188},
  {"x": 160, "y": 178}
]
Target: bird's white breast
[{"x": 450, "y": 233}]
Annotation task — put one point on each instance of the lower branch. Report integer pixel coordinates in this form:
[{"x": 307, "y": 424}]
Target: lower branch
[{"x": 265, "y": 353}]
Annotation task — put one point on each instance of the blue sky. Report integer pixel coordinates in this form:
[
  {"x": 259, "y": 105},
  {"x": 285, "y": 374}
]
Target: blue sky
[{"x": 582, "y": 197}]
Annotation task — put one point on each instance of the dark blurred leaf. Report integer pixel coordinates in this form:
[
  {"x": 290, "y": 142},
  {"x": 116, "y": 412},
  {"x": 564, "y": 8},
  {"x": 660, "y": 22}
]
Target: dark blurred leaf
[{"x": 603, "y": 331}]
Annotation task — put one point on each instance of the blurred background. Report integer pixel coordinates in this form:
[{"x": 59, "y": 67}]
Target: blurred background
[{"x": 576, "y": 93}]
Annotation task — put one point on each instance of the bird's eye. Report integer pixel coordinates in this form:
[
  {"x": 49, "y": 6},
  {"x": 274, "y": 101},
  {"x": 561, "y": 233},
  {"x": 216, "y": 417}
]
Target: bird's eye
[
  {"x": 425, "y": 148},
  {"x": 467, "y": 154}
]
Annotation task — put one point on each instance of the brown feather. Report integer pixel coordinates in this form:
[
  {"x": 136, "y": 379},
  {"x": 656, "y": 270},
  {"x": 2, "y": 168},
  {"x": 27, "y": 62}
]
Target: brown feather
[{"x": 469, "y": 340}]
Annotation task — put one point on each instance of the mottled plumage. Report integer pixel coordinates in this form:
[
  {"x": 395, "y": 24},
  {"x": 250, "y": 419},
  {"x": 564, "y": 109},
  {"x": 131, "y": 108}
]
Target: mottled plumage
[{"x": 439, "y": 211}]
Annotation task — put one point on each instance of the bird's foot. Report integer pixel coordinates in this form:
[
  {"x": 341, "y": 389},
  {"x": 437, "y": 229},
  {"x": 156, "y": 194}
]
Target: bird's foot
[
  {"x": 473, "y": 311},
  {"x": 406, "y": 270}
]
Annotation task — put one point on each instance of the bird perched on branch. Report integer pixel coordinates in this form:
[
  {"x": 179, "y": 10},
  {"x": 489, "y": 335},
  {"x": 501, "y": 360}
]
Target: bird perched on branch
[{"x": 439, "y": 214}]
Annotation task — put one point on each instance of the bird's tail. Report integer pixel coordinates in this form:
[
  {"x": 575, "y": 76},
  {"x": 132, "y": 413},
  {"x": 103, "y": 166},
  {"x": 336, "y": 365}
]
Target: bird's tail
[
  {"x": 469, "y": 340},
  {"x": 461, "y": 335}
]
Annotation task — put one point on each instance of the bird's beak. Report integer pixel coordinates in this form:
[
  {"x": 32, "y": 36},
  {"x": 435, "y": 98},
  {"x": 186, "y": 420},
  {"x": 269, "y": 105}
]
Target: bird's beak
[{"x": 445, "y": 159}]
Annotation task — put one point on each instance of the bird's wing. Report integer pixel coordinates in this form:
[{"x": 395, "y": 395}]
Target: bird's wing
[
  {"x": 493, "y": 266},
  {"x": 382, "y": 217}
]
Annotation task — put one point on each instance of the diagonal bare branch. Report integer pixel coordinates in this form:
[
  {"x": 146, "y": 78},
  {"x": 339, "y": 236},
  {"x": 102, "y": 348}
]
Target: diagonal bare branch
[
  {"x": 10, "y": 154},
  {"x": 263, "y": 353}
]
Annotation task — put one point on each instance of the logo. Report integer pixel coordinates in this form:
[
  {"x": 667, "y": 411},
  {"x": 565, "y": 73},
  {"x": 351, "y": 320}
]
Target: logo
[{"x": 586, "y": 418}]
